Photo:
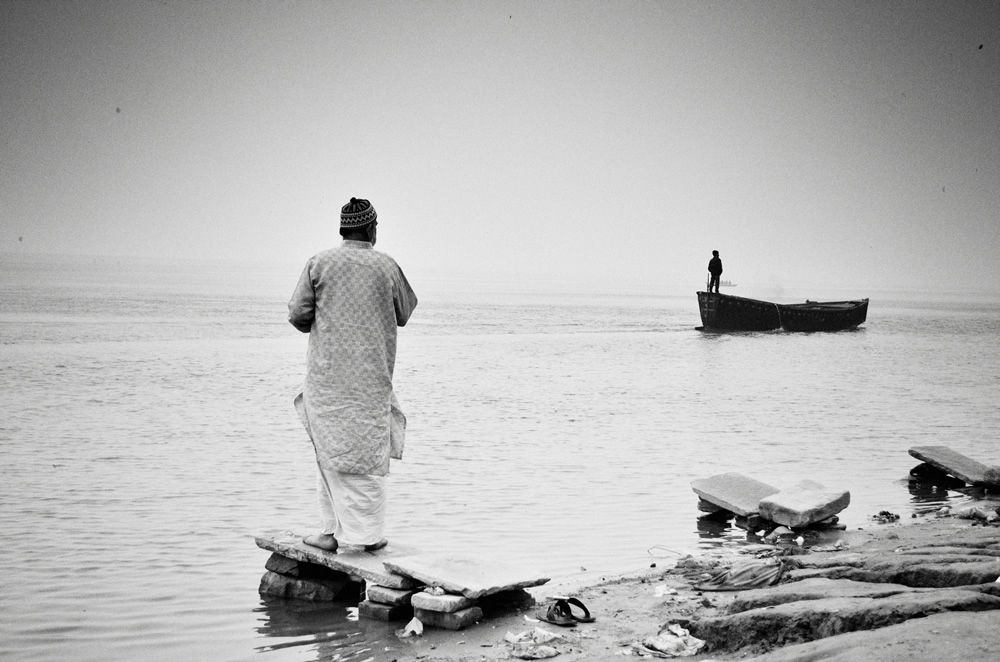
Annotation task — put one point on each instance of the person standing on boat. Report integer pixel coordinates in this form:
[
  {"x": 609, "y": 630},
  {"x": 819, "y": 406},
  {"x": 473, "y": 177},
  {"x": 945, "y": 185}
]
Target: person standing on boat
[
  {"x": 350, "y": 300},
  {"x": 715, "y": 269}
]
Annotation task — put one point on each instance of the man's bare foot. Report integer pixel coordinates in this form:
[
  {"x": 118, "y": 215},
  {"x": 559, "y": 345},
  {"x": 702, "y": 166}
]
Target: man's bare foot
[
  {"x": 375, "y": 546},
  {"x": 323, "y": 541}
]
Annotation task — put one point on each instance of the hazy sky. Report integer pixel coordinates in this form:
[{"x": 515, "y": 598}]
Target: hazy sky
[{"x": 841, "y": 144}]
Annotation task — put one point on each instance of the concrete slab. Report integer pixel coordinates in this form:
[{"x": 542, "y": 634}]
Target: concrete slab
[
  {"x": 351, "y": 560},
  {"x": 953, "y": 463},
  {"x": 388, "y": 596},
  {"x": 803, "y": 504},
  {"x": 447, "y": 603},
  {"x": 472, "y": 578},
  {"x": 733, "y": 491}
]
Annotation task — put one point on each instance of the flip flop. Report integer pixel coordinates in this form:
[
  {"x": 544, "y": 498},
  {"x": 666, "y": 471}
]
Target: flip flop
[
  {"x": 558, "y": 613},
  {"x": 586, "y": 618}
]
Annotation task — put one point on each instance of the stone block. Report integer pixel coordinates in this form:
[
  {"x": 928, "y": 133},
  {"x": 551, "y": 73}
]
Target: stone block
[
  {"x": 316, "y": 590},
  {"x": 733, "y": 492},
  {"x": 803, "y": 504},
  {"x": 282, "y": 565},
  {"x": 471, "y": 577},
  {"x": 384, "y": 612},
  {"x": 388, "y": 596},
  {"x": 302, "y": 569},
  {"x": 456, "y": 620},
  {"x": 447, "y": 603}
]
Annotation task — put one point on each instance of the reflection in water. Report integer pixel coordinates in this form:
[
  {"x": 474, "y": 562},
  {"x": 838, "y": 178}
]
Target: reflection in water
[
  {"x": 722, "y": 526},
  {"x": 322, "y": 625},
  {"x": 326, "y": 629},
  {"x": 931, "y": 488}
]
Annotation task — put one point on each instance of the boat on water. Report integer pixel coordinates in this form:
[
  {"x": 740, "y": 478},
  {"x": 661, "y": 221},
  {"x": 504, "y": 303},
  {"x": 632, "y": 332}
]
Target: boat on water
[
  {"x": 823, "y": 315},
  {"x": 730, "y": 313},
  {"x": 724, "y": 311}
]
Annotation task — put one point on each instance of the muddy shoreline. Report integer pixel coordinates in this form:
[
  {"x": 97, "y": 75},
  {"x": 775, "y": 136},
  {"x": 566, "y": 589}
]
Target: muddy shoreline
[{"x": 956, "y": 560}]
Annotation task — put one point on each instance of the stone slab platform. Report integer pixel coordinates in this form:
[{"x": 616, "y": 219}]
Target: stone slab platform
[
  {"x": 953, "y": 463},
  {"x": 473, "y": 578},
  {"x": 353, "y": 561},
  {"x": 733, "y": 491},
  {"x": 803, "y": 504}
]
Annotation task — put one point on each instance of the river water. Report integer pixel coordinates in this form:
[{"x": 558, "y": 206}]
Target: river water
[{"x": 147, "y": 435}]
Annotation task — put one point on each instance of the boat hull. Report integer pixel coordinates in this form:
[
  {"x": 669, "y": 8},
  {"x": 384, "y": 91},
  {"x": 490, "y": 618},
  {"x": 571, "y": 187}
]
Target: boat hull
[
  {"x": 725, "y": 312},
  {"x": 823, "y": 316}
]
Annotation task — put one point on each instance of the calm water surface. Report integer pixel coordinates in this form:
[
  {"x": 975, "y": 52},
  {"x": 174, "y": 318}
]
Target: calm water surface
[{"x": 147, "y": 435}]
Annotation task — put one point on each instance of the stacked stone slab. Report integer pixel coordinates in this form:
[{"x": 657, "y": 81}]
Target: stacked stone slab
[
  {"x": 299, "y": 580},
  {"x": 386, "y": 604},
  {"x": 804, "y": 504},
  {"x": 459, "y": 585},
  {"x": 393, "y": 574},
  {"x": 446, "y": 610},
  {"x": 732, "y": 492}
]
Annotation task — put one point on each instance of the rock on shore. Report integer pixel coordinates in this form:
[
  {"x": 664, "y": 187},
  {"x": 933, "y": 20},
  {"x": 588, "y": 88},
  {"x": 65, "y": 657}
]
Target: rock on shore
[{"x": 919, "y": 592}]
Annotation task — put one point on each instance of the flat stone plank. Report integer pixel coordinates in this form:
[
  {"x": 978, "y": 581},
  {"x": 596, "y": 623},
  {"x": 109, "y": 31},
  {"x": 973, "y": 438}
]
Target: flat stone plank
[
  {"x": 928, "y": 571},
  {"x": 472, "y": 578},
  {"x": 733, "y": 491},
  {"x": 283, "y": 565},
  {"x": 815, "y": 588},
  {"x": 383, "y": 612},
  {"x": 388, "y": 596},
  {"x": 447, "y": 603},
  {"x": 351, "y": 560},
  {"x": 454, "y": 621},
  {"x": 952, "y": 462},
  {"x": 803, "y": 504},
  {"x": 301, "y": 569},
  {"x": 922, "y": 636},
  {"x": 808, "y": 620}
]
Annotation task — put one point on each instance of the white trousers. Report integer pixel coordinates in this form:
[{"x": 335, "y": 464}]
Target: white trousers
[{"x": 352, "y": 507}]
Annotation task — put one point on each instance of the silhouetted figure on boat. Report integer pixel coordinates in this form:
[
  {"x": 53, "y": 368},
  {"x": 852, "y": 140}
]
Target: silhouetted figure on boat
[{"x": 714, "y": 268}]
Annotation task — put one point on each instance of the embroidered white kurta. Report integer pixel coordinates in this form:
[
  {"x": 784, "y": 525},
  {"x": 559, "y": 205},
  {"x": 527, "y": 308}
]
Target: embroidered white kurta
[{"x": 350, "y": 300}]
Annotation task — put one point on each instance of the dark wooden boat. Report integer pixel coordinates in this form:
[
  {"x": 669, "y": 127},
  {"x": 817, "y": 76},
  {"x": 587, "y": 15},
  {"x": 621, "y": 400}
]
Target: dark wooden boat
[
  {"x": 725, "y": 312},
  {"x": 823, "y": 316}
]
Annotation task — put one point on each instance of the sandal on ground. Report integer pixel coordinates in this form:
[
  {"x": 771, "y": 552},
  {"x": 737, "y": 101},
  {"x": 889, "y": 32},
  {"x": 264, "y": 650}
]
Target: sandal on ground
[
  {"x": 586, "y": 618},
  {"x": 558, "y": 613}
]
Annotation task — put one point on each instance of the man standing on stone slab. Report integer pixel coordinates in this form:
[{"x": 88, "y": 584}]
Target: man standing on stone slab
[{"x": 350, "y": 300}]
